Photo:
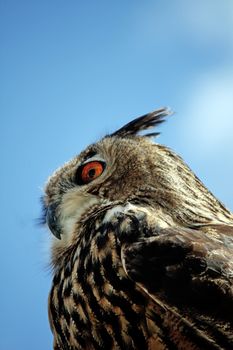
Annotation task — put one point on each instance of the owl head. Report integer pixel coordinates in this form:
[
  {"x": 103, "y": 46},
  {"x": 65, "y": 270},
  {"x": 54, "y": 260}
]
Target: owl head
[{"x": 125, "y": 167}]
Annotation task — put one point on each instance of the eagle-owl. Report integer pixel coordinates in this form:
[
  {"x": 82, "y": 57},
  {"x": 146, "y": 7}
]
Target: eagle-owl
[{"x": 142, "y": 251}]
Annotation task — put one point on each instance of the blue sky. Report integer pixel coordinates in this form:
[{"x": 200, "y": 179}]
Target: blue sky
[{"x": 72, "y": 71}]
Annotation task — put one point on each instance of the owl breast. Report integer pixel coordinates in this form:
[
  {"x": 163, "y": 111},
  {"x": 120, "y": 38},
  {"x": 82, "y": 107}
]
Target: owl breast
[{"x": 93, "y": 304}]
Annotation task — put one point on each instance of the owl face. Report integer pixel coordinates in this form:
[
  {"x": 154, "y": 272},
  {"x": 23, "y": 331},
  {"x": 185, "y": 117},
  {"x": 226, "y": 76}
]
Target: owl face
[{"x": 114, "y": 170}]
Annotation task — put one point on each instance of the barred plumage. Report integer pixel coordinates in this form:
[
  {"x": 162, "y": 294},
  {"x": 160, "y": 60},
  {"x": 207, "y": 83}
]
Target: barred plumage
[{"x": 144, "y": 259}]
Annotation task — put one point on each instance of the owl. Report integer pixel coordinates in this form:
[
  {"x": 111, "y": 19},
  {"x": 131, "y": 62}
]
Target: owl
[{"x": 141, "y": 250}]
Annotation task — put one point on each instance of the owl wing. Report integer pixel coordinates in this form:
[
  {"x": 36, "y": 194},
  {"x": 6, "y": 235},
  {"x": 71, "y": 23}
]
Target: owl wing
[{"x": 189, "y": 272}]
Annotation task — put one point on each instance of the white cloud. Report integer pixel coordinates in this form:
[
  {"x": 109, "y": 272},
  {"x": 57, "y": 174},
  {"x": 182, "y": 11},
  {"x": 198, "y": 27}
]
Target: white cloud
[
  {"x": 209, "y": 111},
  {"x": 196, "y": 36}
]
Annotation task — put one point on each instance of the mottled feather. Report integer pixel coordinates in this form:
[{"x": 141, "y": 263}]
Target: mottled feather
[{"x": 144, "y": 255}]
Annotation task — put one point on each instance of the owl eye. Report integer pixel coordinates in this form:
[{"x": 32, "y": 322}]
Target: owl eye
[{"x": 89, "y": 172}]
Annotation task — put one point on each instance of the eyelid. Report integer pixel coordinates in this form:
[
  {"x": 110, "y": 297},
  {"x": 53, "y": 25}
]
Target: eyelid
[{"x": 92, "y": 159}]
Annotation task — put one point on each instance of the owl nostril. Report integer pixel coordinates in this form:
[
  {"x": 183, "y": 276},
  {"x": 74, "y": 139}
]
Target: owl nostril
[{"x": 52, "y": 221}]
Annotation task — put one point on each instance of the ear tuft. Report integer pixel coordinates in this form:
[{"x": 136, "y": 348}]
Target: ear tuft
[{"x": 144, "y": 122}]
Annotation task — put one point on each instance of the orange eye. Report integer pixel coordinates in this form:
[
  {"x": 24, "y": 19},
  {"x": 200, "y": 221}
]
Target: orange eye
[{"x": 89, "y": 172}]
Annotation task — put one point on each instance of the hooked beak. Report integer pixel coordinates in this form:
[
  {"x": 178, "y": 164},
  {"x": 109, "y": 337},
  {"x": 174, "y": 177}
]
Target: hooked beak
[{"x": 52, "y": 221}]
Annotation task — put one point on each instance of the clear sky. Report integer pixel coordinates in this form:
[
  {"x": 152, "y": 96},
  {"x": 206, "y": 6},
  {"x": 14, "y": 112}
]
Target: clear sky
[{"x": 71, "y": 71}]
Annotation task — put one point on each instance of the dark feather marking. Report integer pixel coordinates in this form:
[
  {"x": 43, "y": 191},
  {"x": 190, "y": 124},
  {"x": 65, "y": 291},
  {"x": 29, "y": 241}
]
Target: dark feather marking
[
  {"x": 80, "y": 340},
  {"x": 113, "y": 319},
  {"x": 165, "y": 332},
  {"x": 107, "y": 340},
  {"x": 77, "y": 319},
  {"x": 91, "y": 153},
  {"x": 67, "y": 289},
  {"x": 125, "y": 305},
  {"x": 200, "y": 339},
  {"x": 222, "y": 336},
  {"x": 101, "y": 240},
  {"x": 137, "y": 337},
  {"x": 56, "y": 323},
  {"x": 56, "y": 279},
  {"x": 123, "y": 284},
  {"x": 78, "y": 300},
  {"x": 93, "y": 303},
  {"x": 61, "y": 305},
  {"x": 98, "y": 278},
  {"x": 67, "y": 269},
  {"x": 144, "y": 122}
]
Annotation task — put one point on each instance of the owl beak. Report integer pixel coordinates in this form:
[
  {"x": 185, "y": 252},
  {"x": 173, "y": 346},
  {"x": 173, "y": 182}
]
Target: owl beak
[{"x": 52, "y": 221}]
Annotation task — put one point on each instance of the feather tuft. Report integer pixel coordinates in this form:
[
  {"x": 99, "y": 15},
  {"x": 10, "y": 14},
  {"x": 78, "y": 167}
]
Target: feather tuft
[{"x": 144, "y": 122}]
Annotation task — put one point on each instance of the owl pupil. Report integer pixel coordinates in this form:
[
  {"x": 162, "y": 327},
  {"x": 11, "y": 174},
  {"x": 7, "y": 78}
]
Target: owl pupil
[{"x": 91, "y": 173}]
